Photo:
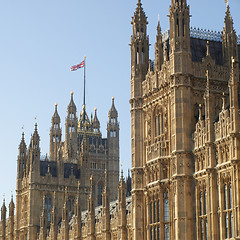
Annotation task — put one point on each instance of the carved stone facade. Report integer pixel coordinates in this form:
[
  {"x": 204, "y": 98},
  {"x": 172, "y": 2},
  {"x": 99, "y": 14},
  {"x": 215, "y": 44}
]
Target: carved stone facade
[{"x": 185, "y": 149}]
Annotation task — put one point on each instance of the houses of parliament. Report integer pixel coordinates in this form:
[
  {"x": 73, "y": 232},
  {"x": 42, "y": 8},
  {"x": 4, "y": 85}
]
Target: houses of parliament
[{"x": 185, "y": 175}]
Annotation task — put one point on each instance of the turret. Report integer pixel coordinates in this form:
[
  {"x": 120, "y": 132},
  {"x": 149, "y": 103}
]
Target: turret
[
  {"x": 106, "y": 212},
  {"x": 180, "y": 53},
  {"x": 182, "y": 121},
  {"x": 96, "y": 123},
  {"x": 11, "y": 219},
  {"x": 139, "y": 67},
  {"x": 139, "y": 48},
  {"x": 71, "y": 129},
  {"x": 55, "y": 135},
  {"x": 158, "y": 49},
  {"x": 34, "y": 151},
  {"x": 229, "y": 40},
  {"x": 3, "y": 220},
  {"x": 113, "y": 150},
  {"x": 22, "y": 160}
]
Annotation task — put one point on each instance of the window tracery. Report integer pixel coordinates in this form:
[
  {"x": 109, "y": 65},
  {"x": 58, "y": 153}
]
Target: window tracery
[
  {"x": 228, "y": 209},
  {"x": 202, "y": 211}
]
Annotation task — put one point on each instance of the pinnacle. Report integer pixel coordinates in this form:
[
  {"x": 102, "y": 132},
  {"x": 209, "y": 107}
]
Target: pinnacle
[
  {"x": 113, "y": 110},
  {"x": 139, "y": 14}
]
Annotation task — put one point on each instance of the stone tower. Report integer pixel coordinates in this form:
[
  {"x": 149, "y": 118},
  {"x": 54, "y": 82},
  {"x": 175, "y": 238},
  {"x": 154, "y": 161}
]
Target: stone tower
[
  {"x": 113, "y": 141},
  {"x": 49, "y": 188},
  {"x": 139, "y": 65}
]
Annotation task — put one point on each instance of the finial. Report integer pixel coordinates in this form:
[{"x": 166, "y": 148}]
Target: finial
[
  {"x": 121, "y": 170},
  {"x": 54, "y": 198},
  {"x": 158, "y": 17},
  {"x": 227, "y": 2},
  {"x": 207, "y": 73},
  {"x": 43, "y": 202},
  {"x": 84, "y": 57},
  {"x": 4, "y": 199},
  {"x": 200, "y": 111},
  {"x": 223, "y": 99},
  {"x": 113, "y": 98},
  {"x": 56, "y": 105},
  {"x": 66, "y": 192},
  {"x": 149, "y": 67},
  {"x": 35, "y": 123},
  {"x": 208, "y": 49},
  {"x": 71, "y": 95},
  {"x": 79, "y": 186},
  {"x": 22, "y": 132},
  {"x": 95, "y": 109},
  {"x": 48, "y": 168}
]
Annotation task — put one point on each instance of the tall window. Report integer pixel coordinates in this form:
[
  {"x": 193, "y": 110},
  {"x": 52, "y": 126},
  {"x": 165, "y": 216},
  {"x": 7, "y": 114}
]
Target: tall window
[
  {"x": 166, "y": 215},
  {"x": 203, "y": 214},
  {"x": 48, "y": 207},
  {"x": 228, "y": 214},
  {"x": 159, "y": 125},
  {"x": 155, "y": 219}
]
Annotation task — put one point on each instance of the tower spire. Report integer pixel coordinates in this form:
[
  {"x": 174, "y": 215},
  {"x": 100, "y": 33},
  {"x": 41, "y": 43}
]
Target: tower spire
[
  {"x": 158, "y": 48},
  {"x": 229, "y": 39}
]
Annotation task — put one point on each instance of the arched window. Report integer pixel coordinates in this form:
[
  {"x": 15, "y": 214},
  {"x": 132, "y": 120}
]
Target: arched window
[
  {"x": 159, "y": 124},
  {"x": 156, "y": 126},
  {"x": 225, "y": 197},
  {"x": 48, "y": 207}
]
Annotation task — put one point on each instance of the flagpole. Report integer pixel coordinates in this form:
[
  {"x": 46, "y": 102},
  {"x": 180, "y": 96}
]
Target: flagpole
[{"x": 84, "y": 84}]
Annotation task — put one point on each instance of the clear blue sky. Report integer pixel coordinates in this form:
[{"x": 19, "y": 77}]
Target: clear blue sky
[{"x": 39, "y": 42}]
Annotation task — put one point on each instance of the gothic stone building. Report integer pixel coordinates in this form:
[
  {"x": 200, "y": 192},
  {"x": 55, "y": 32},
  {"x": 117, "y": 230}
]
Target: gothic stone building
[
  {"x": 185, "y": 148},
  {"x": 47, "y": 183}
]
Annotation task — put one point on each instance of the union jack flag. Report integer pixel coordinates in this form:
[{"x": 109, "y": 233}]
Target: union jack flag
[{"x": 76, "y": 67}]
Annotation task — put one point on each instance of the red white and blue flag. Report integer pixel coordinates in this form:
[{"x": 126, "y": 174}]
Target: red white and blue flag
[{"x": 76, "y": 67}]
